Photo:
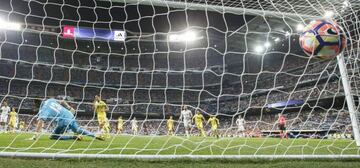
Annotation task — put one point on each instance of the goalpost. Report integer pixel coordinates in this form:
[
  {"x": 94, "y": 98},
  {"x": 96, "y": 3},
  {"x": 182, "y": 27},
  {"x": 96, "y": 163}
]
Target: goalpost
[
  {"x": 148, "y": 58},
  {"x": 349, "y": 98}
]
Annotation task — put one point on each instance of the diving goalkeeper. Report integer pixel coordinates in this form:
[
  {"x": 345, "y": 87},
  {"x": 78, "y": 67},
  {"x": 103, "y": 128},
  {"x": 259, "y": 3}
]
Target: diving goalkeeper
[{"x": 61, "y": 113}]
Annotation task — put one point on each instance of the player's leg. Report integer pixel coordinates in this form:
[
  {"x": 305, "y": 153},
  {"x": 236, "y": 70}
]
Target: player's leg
[
  {"x": 202, "y": 131},
  {"x": 101, "y": 122},
  {"x": 12, "y": 126},
  {"x": 58, "y": 131},
  {"x": 214, "y": 132},
  {"x": 6, "y": 125},
  {"x": 285, "y": 133},
  {"x": 2, "y": 123},
  {"x": 186, "y": 125},
  {"x": 281, "y": 132},
  {"x": 106, "y": 127},
  {"x": 119, "y": 129},
  {"x": 78, "y": 130},
  {"x": 81, "y": 131}
]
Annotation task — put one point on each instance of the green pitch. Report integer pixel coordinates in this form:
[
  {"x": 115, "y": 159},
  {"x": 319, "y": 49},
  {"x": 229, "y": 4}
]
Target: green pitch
[
  {"x": 176, "y": 145},
  {"x": 96, "y": 163}
]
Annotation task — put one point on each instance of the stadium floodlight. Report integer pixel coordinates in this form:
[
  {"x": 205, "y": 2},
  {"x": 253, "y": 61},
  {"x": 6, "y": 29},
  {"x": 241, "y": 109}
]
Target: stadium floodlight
[
  {"x": 329, "y": 14},
  {"x": 287, "y": 33},
  {"x": 188, "y": 36},
  {"x": 228, "y": 77},
  {"x": 4, "y": 25},
  {"x": 259, "y": 49},
  {"x": 277, "y": 39},
  {"x": 300, "y": 27},
  {"x": 267, "y": 44}
]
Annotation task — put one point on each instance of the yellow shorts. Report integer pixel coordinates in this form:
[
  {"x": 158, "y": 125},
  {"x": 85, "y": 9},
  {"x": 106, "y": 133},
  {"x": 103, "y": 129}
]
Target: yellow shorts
[
  {"x": 102, "y": 120},
  {"x": 214, "y": 128},
  {"x": 12, "y": 123},
  {"x": 200, "y": 126},
  {"x": 170, "y": 128},
  {"x": 120, "y": 128}
]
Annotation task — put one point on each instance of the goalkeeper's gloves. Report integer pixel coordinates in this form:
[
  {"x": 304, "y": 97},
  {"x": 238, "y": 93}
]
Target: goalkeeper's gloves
[{"x": 72, "y": 110}]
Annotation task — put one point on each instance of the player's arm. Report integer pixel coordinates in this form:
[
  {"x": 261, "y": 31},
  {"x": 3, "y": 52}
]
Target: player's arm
[
  {"x": 181, "y": 116},
  {"x": 66, "y": 105},
  {"x": 218, "y": 122},
  {"x": 106, "y": 107},
  {"x": 94, "y": 105}
]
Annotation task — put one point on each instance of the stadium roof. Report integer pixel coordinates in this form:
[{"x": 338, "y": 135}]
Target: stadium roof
[{"x": 294, "y": 8}]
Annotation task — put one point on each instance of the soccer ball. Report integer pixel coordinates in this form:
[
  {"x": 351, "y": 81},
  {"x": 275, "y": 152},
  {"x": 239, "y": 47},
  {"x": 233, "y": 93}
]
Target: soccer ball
[{"x": 322, "y": 39}]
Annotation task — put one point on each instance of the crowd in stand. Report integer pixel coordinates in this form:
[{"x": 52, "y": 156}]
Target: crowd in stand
[
  {"x": 145, "y": 88},
  {"x": 311, "y": 120}
]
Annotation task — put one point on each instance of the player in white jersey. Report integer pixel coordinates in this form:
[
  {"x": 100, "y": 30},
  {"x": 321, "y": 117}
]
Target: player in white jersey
[
  {"x": 240, "y": 122},
  {"x": 5, "y": 109},
  {"x": 134, "y": 126},
  {"x": 186, "y": 116}
]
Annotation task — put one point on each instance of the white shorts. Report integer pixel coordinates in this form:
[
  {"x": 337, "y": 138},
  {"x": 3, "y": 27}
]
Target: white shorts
[
  {"x": 3, "y": 118},
  {"x": 241, "y": 128},
  {"x": 187, "y": 124}
]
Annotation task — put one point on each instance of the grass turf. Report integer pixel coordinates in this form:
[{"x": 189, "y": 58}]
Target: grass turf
[{"x": 177, "y": 145}]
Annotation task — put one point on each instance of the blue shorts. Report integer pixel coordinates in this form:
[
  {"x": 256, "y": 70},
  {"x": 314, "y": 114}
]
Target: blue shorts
[{"x": 73, "y": 126}]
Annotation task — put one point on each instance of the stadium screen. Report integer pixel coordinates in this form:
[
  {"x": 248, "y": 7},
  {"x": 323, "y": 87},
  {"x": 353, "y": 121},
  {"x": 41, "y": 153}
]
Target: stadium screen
[{"x": 93, "y": 33}]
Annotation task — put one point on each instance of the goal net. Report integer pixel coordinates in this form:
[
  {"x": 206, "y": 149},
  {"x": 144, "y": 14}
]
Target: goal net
[{"x": 237, "y": 63}]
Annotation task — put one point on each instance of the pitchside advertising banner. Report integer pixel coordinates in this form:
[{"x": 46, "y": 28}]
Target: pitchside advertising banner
[{"x": 93, "y": 33}]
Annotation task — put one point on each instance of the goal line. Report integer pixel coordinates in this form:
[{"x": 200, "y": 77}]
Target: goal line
[{"x": 169, "y": 157}]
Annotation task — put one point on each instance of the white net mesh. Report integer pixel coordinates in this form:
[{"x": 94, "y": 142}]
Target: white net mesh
[{"x": 223, "y": 58}]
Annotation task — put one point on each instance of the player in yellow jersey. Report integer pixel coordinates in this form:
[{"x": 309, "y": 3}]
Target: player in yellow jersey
[
  {"x": 120, "y": 124},
  {"x": 101, "y": 108},
  {"x": 12, "y": 121},
  {"x": 199, "y": 119},
  {"x": 214, "y": 125},
  {"x": 170, "y": 126},
  {"x": 22, "y": 126}
]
